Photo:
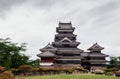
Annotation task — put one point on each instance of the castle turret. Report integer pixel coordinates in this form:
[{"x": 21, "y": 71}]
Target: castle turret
[
  {"x": 47, "y": 56},
  {"x": 97, "y": 59}
]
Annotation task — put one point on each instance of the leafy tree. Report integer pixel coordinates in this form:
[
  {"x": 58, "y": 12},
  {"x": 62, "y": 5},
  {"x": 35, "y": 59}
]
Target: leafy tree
[
  {"x": 10, "y": 56},
  {"x": 19, "y": 59},
  {"x": 34, "y": 63},
  {"x": 114, "y": 62}
]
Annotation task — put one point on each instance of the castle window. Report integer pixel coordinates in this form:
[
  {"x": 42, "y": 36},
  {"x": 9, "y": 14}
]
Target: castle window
[{"x": 66, "y": 45}]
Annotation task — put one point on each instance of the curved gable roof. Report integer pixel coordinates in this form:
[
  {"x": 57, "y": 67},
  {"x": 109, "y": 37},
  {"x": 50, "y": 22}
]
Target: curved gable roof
[
  {"x": 46, "y": 54},
  {"x": 65, "y": 39},
  {"x": 96, "y": 47}
]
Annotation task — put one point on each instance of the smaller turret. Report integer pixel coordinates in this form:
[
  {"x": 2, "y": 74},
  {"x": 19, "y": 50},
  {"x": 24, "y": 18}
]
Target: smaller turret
[{"x": 95, "y": 48}]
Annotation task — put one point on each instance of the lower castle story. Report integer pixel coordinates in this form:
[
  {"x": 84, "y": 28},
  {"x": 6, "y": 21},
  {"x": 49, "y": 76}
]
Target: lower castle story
[{"x": 64, "y": 52}]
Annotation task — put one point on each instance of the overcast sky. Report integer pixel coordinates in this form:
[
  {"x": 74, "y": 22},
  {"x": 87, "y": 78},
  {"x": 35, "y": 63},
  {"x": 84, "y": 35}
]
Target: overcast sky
[{"x": 34, "y": 22}]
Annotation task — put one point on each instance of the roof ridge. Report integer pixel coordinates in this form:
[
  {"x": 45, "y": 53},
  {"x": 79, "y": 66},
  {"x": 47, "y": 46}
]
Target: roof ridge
[{"x": 65, "y": 38}]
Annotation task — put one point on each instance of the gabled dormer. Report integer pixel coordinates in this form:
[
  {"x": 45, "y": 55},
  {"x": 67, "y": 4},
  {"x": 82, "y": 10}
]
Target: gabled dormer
[
  {"x": 46, "y": 54},
  {"x": 95, "y": 48},
  {"x": 66, "y": 39},
  {"x": 48, "y": 47}
]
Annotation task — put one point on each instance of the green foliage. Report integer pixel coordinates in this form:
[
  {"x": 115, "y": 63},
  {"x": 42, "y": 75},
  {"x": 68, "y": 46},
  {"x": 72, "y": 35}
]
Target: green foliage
[
  {"x": 114, "y": 62},
  {"x": 111, "y": 69},
  {"x": 10, "y": 54},
  {"x": 34, "y": 63}
]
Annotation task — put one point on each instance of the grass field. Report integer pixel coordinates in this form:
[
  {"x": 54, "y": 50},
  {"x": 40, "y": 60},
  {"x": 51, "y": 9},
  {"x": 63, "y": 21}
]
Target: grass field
[{"x": 76, "y": 76}]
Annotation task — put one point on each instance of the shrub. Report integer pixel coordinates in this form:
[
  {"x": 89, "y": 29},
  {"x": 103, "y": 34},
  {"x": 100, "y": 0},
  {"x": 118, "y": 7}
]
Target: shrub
[
  {"x": 7, "y": 75},
  {"x": 99, "y": 71},
  {"x": 15, "y": 71},
  {"x": 82, "y": 70},
  {"x": 25, "y": 69},
  {"x": 111, "y": 69},
  {"x": 109, "y": 73},
  {"x": 69, "y": 71},
  {"x": 117, "y": 73},
  {"x": 43, "y": 71},
  {"x": 35, "y": 70}
]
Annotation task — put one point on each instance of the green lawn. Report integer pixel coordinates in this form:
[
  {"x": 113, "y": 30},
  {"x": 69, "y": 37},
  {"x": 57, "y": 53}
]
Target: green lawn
[{"x": 76, "y": 76}]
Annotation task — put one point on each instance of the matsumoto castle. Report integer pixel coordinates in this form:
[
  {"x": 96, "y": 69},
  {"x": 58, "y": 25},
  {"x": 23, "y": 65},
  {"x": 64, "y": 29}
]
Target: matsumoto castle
[{"x": 63, "y": 52}]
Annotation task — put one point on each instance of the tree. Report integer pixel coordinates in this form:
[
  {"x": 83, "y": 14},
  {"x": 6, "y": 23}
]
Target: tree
[
  {"x": 10, "y": 56},
  {"x": 114, "y": 62},
  {"x": 34, "y": 63},
  {"x": 19, "y": 59}
]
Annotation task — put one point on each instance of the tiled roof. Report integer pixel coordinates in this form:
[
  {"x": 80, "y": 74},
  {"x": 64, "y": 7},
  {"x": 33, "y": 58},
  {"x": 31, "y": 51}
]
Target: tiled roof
[
  {"x": 95, "y": 47},
  {"x": 66, "y": 39},
  {"x": 46, "y": 54},
  {"x": 65, "y": 25},
  {"x": 97, "y": 54},
  {"x": 48, "y": 47},
  {"x": 70, "y": 49}
]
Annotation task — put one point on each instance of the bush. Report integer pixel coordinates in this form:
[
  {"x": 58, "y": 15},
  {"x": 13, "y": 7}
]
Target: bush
[
  {"x": 111, "y": 69},
  {"x": 45, "y": 71},
  {"x": 15, "y": 71},
  {"x": 99, "y": 71},
  {"x": 69, "y": 71},
  {"x": 109, "y": 73},
  {"x": 25, "y": 69},
  {"x": 7, "y": 75},
  {"x": 82, "y": 70},
  {"x": 35, "y": 70},
  {"x": 117, "y": 73}
]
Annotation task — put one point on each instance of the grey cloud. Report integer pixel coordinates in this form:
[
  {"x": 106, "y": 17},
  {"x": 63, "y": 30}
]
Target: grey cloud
[
  {"x": 106, "y": 8},
  {"x": 102, "y": 15},
  {"x": 45, "y": 4},
  {"x": 42, "y": 3},
  {"x": 5, "y": 5}
]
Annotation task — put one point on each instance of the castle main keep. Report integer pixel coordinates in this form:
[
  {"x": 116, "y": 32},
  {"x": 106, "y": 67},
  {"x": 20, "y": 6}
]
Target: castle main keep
[{"x": 64, "y": 51}]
